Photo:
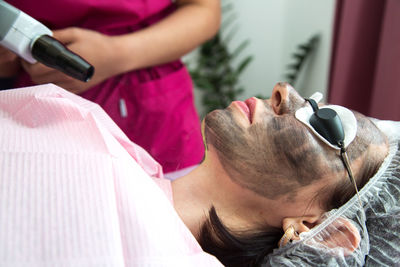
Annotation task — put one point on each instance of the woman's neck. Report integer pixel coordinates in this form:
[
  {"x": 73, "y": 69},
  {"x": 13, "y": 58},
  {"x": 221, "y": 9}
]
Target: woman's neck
[
  {"x": 191, "y": 200},
  {"x": 209, "y": 185}
]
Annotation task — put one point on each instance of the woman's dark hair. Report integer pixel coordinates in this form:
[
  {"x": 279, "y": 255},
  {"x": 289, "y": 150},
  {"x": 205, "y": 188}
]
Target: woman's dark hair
[
  {"x": 237, "y": 248},
  {"x": 249, "y": 248}
]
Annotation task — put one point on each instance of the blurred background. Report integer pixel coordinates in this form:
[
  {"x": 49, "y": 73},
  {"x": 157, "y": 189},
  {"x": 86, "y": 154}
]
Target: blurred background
[{"x": 347, "y": 49}]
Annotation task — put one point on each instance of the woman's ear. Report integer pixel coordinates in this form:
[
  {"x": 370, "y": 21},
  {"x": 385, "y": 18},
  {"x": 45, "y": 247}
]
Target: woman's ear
[
  {"x": 294, "y": 226},
  {"x": 300, "y": 224},
  {"x": 340, "y": 234}
]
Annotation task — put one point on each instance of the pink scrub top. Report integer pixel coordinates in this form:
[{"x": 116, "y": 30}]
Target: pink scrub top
[{"x": 153, "y": 106}]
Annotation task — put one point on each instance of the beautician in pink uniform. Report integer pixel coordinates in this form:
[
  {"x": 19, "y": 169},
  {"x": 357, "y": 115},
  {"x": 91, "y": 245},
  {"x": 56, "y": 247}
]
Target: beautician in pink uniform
[{"x": 139, "y": 80}]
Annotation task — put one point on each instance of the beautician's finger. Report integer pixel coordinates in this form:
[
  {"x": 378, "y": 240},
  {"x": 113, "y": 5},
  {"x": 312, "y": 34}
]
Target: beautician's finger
[
  {"x": 4, "y": 50},
  {"x": 71, "y": 86},
  {"x": 51, "y": 77},
  {"x": 41, "y": 74},
  {"x": 67, "y": 35},
  {"x": 55, "y": 77},
  {"x": 36, "y": 69},
  {"x": 6, "y": 55}
]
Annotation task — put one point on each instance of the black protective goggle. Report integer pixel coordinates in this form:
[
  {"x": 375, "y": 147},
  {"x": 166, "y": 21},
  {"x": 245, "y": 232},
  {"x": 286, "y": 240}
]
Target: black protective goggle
[{"x": 327, "y": 123}]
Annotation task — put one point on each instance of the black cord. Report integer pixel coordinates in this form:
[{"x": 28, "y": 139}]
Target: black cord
[{"x": 346, "y": 162}]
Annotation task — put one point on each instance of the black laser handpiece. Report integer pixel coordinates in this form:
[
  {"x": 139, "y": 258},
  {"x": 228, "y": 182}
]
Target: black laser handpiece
[
  {"x": 32, "y": 41},
  {"x": 54, "y": 54}
]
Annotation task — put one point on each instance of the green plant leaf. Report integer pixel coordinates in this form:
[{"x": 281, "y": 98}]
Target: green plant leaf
[
  {"x": 244, "y": 64},
  {"x": 226, "y": 7},
  {"x": 260, "y": 96},
  {"x": 215, "y": 72},
  {"x": 303, "y": 52},
  {"x": 290, "y": 78},
  {"x": 228, "y": 21},
  {"x": 230, "y": 79},
  {"x": 240, "y": 48},
  {"x": 305, "y": 47},
  {"x": 295, "y": 66},
  {"x": 204, "y": 84},
  {"x": 240, "y": 90}
]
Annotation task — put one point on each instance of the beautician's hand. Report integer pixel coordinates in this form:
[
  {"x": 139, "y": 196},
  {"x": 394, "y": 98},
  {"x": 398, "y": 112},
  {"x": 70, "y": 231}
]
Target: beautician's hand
[
  {"x": 193, "y": 22},
  {"x": 9, "y": 63},
  {"x": 94, "y": 47}
]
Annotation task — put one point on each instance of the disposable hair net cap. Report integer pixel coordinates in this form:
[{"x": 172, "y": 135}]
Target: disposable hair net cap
[{"x": 377, "y": 237}]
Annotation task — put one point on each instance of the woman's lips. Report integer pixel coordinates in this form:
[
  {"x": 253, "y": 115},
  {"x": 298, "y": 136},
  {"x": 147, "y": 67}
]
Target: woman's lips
[
  {"x": 243, "y": 106},
  {"x": 247, "y": 107},
  {"x": 251, "y": 105}
]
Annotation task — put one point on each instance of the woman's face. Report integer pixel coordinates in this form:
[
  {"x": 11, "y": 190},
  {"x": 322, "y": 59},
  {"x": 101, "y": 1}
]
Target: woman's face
[{"x": 264, "y": 148}]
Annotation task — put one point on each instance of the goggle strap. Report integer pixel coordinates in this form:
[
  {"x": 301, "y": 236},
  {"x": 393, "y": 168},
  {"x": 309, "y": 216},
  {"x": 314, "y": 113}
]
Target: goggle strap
[
  {"x": 313, "y": 104},
  {"x": 345, "y": 160}
]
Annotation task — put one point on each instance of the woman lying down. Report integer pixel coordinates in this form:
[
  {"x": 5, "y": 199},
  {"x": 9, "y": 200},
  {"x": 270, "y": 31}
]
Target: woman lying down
[{"x": 285, "y": 181}]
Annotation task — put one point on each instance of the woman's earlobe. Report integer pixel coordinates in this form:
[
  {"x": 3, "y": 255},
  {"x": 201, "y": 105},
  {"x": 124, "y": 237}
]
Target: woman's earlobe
[
  {"x": 294, "y": 226},
  {"x": 340, "y": 235}
]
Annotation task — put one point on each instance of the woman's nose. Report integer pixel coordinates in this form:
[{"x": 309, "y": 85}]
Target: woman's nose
[{"x": 285, "y": 99}]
